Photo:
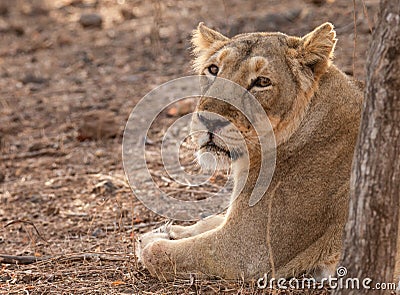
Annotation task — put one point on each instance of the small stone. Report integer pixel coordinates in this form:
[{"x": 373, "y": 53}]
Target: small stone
[
  {"x": 318, "y": 2},
  {"x": 3, "y": 9},
  {"x": 99, "y": 153},
  {"x": 33, "y": 10},
  {"x": 130, "y": 78},
  {"x": 104, "y": 187},
  {"x": 6, "y": 27},
  {"x": 5, "y": 278},
  {"x": 91, "y": 20},
  {"x": 64, "y": 39},
  {"x": 18, "y": 30},
  {"x": 37, "y": 146},
  {"x": 36, "y": 87},
  {"x": 98, "y": 233},
  {"x": 27, "y": 279},
  {"x": 76, "y": 3},
  {"x": 29, "y": 78},
  {"x": 52, "y": 211},
  {"x": 98, "y": 125},
  {"x": 83, "y": 4},
  {"x": 127, "y": 14},
  {"x": 111, "y": 34}
]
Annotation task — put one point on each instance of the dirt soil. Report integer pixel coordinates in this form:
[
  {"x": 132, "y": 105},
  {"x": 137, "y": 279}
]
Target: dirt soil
[{"x": 67, "y": 87}]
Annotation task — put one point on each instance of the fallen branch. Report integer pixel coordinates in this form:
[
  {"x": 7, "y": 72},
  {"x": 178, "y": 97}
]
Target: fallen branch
[
  {"x": 12, "y": 259},
  {"x": 90, "y": 257},
  {"x": 135, "y": 226},
  {"x": 42, "y": 153}
]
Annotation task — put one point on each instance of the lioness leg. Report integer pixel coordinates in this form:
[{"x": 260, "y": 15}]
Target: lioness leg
[
  {"x": 214, "y": 253},
  {"x": 177, "y": 232},
  {"x": 319, "y": 259},
  {"x": 218, "y": 252}
]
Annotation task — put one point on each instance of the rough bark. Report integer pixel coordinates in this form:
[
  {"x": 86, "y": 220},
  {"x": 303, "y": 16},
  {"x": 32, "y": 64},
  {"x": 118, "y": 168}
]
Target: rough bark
[{"x": 371, "y": 232}]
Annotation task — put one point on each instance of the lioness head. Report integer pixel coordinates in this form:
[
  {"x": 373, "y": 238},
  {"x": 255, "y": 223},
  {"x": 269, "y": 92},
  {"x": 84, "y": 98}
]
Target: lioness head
[{"x": 280, "y": 71}]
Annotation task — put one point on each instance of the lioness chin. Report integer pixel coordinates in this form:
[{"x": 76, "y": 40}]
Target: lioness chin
[{"x": 314, "y": 110}]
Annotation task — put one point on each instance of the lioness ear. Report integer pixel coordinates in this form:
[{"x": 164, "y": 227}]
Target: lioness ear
[
  {"x": 204, "y": 37},
  {"x": 316, "y": 48}
]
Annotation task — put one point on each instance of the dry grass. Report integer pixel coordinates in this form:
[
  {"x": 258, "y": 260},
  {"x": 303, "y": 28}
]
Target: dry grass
[{"x": 112, "y": 274}]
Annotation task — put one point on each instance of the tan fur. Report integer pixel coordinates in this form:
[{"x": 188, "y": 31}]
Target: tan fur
[{"x": 315, "y": 113}]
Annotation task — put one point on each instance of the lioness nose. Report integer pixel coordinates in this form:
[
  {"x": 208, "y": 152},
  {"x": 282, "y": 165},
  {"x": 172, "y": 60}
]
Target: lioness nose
[{"x": 212, "y": 123}]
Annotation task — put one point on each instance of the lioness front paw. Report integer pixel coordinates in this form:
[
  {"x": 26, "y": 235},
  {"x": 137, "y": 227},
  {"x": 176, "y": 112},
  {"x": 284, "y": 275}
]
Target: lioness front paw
[
  {"x": 177, "y": 232},
  {"x": 170, "y": 232},
  {"x": 156, "y": 259},
  {"x": 149, "y": 238}
]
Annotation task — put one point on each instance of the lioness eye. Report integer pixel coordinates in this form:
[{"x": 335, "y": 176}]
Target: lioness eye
[
  {"x": 213, "y": 70},
  {"x": 262, "y": 82}
]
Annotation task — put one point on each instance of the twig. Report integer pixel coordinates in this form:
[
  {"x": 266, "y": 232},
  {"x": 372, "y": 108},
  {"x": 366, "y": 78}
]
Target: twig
[
  {"x": 121, "y": 180},
  {"x": 155, "y": 30},
  {"x": 366, "y": 15},
  {"x": 50, "y": 153},
  {"x": 13, "y": 259},
  {"x": 133, "y": 237},
  {"x": 88, "y": 257},
  {"x": 133, "y": 226},
  {"x": 26, "y": 222}
]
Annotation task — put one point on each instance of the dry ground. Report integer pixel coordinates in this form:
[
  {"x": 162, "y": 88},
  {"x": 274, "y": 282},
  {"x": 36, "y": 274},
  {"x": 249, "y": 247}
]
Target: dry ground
[{"x": 65, "y": 94}]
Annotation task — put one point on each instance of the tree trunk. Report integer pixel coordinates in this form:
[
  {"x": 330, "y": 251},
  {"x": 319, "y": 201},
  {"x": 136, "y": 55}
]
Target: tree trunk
[{"x": 371, "y": 231}]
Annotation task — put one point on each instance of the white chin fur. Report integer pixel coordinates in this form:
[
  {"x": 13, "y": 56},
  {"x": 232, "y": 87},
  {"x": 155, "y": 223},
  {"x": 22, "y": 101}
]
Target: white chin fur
[{"x": 211, "y": 162}]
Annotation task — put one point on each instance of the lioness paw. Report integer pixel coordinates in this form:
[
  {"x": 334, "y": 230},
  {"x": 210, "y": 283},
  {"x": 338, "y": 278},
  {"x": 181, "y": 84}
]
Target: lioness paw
[{"x": 148, "y": 238}]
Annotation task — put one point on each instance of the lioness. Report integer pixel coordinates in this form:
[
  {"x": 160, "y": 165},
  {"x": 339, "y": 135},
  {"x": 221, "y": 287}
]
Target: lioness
[{"x": 314, "y": 109}]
